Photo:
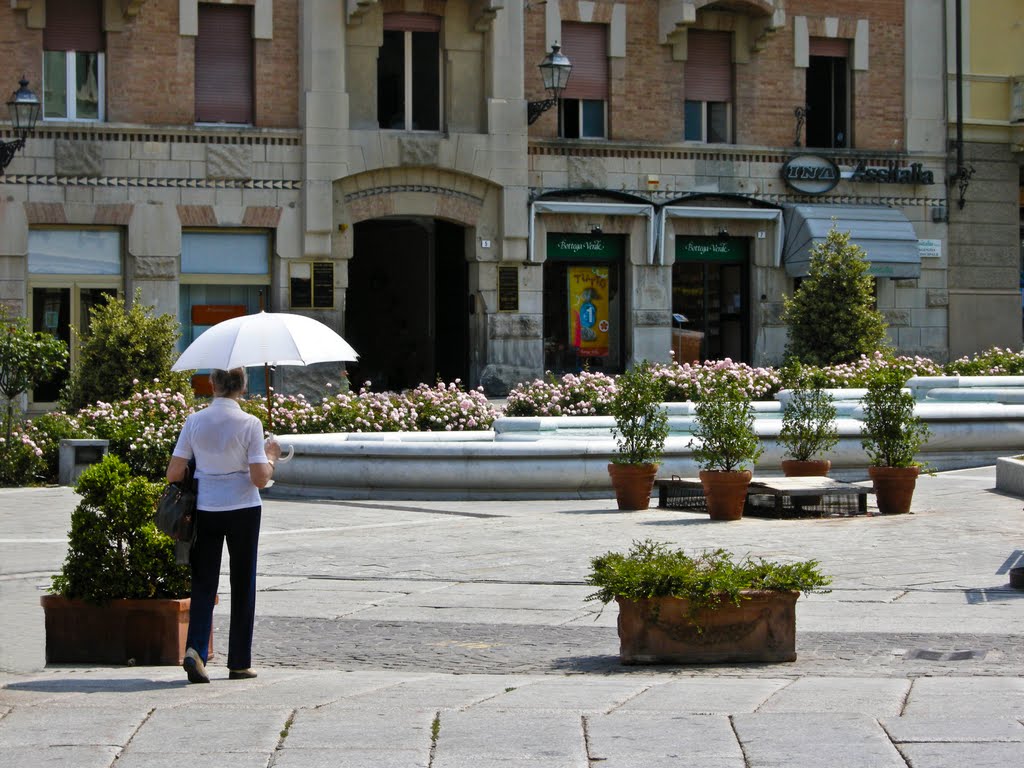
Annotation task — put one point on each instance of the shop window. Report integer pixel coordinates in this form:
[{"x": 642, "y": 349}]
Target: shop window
[
  {"x": 224, "y": 65},
  {"x": 583, "y": 306},
  {"x": 224, "y": 274},
  {"x": 73, "y": 61},
  {"x": 584, "y": 103},
  {"x": 70, "y": 271},
  {"x": 409, "y": 73},
  {"x": 828, "y": 89},
  {"x": 707, "y": 79}
]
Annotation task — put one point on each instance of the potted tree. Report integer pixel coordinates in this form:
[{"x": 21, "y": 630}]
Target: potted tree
[
  {"x": 892, "y": 436},
  {"x": 808, "y": 431},
  {"x": 120, "y": 596},
  {"x": 641, "y": 428},
  {"x": 708, "y": 608},
  {"x": 725, "y": 443}
]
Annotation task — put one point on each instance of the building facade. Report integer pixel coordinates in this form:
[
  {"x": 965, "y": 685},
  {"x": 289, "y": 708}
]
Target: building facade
[{"x": 370, "y": 163}]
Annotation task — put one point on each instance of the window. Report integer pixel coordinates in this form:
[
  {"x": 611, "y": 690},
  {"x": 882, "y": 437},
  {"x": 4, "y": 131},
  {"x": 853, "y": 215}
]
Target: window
[
  {"x": 828, "y": 93},
  {"x": 70, "y": 271},
  {"x": 224, "y": 65},
  {"x": 409, "y": 73},
  {"x": 707, "y": 115},
  {"x": 584, "y": 113},
  {"x": 73, "y": 61}
]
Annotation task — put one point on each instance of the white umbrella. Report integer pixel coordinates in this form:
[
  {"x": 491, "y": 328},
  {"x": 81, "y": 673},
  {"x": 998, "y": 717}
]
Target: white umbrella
[{"x": 266, "y": 338}]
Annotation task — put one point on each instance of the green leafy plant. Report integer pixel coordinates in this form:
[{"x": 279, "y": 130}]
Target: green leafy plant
[
  {"x": 724, "y": 430},
  {"x": 641, "y": 422},
  {"x": 809, "y": 424},
  {"x": 832, "y": 316},
  {"x": 26, "y": 359},
  {"x": 708, "y": 579},
  {"x": 892, "y": 433},
  {"x": 114, "y": 549},
  {"x": 122, "y": 347}
]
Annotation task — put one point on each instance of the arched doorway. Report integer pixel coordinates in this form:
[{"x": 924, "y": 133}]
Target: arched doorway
[{"x": 407, "y": 306}]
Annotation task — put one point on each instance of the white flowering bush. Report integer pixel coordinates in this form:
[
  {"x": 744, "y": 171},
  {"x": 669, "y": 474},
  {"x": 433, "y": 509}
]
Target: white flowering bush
[
  {"x": 866, "y": 368},
  {"x": 692, "y": 382},
  {"x": 993, "y": 362}
]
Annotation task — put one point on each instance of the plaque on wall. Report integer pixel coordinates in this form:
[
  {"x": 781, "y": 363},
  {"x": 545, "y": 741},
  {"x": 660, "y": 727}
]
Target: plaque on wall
[
  {"x": 323, "y": 285},
  {"x": 508, "y": 289},
  {"x": 311, "y": 284}
]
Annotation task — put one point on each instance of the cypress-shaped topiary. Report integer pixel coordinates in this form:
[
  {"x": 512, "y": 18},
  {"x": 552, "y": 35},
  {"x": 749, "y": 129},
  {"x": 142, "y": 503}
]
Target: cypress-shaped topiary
[{"x": 832, "y": 316}]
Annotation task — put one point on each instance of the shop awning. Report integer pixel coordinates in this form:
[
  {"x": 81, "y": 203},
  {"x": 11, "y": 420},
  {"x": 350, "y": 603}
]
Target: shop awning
[{"x": 885, "y": 234}]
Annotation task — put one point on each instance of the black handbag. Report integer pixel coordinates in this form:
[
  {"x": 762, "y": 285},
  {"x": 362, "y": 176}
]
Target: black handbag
[{"x": 176, "y": 510}]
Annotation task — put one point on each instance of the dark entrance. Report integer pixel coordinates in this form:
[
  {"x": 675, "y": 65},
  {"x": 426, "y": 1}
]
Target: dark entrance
[
  {"x": 406, "y": 307},
  {"x": 710, "y": 282}
]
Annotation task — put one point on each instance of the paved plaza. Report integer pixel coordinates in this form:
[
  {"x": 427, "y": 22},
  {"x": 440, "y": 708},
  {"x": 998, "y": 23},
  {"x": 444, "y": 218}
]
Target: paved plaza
[{"x": 448, "y": 634}]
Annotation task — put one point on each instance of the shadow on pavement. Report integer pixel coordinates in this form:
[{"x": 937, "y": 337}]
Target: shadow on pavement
[{"x": 95, "y": 685}]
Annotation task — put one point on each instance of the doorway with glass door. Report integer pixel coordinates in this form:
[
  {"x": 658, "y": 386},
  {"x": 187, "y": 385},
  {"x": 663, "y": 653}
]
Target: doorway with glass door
[{"x": 710, "y": 298}]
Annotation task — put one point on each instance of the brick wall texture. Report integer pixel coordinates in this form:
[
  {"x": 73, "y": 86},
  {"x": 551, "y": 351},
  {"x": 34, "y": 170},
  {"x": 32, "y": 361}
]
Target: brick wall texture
[
  {"x": 647, "y": 88},
  {"x": 150, "y": 66}
]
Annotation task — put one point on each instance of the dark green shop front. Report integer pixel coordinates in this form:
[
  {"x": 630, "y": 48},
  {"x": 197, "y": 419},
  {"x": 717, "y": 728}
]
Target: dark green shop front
[{"x": 710, "y": 289}]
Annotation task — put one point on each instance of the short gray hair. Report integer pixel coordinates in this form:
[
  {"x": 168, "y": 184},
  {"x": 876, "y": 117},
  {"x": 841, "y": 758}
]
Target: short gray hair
[{"x": 227, "y": 383}]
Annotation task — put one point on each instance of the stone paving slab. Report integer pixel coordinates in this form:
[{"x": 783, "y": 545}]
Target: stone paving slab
[
  {"x": 703, "y": 696},
  {"x": 483, "y": 738},
  {"x": 851, "y": 695},
  {"x": 220, "y": 727},
  {"x": 978, "y": 696},
  {"x": 44, "y": 756},
  {"x": 968, "y": 728},
  {"x": 663, "y": 741},
  {"x": 960, "y": 755},
  {"x": 809, "y": 740},
  {"x": 568, "y": 693},
  {"x": 77, "y": 726}
]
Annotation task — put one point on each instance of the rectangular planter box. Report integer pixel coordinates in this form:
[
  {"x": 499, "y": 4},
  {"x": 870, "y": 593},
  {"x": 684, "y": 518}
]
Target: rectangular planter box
[
  {"x": 142, "y": 632},
  {"x": 658, "y": 630}
]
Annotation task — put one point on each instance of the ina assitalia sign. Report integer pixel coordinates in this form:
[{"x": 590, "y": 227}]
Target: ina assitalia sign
[{"x": 588, "y": 310}]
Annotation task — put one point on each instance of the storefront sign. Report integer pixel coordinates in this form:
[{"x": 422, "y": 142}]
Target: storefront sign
[
  {"x": 710, "y": 249},
  {"x": 588, "y": 310},
  {"x": 810, "y": 174},
  {"x": 565, "y": 247},
  {"x": 892, "y": 174},
  {"x": 815, "y": 174}
]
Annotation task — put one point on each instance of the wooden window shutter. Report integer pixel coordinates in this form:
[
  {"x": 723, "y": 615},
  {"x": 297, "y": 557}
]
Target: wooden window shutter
[
  {"x": 708, "y": 71},
  {"x": 836, "y": 47},
  {"x": 411, "y": 22},
  {"x": 224, "y": 64},
  {"x": 73, "y": 25},
  {"x": 586, "y": 46}
]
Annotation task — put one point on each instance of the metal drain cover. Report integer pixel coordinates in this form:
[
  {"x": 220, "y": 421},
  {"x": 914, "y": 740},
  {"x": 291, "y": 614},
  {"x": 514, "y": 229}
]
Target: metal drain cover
[{"x": 932, "y": 655}]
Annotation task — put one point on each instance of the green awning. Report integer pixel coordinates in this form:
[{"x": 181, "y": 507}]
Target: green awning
[{"x": 885, "y": 234}]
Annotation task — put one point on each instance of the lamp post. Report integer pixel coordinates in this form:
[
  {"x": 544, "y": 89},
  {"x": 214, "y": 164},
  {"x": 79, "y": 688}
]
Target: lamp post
[
  {"x": 24, "y": 108},
  {"x": 555, "y": 71}
]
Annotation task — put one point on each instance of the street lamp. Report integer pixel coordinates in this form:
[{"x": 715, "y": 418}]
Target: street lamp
[
  {"x": 24, "y": 109},
  {"x": 555, "y": 71}
]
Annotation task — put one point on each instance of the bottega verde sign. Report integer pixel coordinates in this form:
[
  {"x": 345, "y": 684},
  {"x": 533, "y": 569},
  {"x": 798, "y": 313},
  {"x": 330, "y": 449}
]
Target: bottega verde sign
[{"x": 815, "y": 174}]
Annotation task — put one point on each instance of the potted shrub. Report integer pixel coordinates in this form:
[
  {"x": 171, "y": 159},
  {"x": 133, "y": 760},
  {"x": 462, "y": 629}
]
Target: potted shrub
[
  {"x": 808, "y": 431},
  {"x": 641, "y": 428},
  {"x": 708, "y": 608},
  {"x": 120, "y": 597},
  {"x": 726, "y": 442},
  {"x": 892, "y": 436}
]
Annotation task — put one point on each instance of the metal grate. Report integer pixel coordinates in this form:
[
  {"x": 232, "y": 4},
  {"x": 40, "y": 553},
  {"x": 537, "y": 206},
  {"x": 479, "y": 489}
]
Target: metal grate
[{"x": 784, "y": 506}]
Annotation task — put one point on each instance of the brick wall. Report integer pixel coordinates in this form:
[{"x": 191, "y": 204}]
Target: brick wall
[
  {"x": 150, "y": 67},
  {"x": 647, "y": 88}
]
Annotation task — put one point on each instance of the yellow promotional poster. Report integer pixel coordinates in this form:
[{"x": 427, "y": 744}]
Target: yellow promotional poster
[{"x": 588, "y": 310}]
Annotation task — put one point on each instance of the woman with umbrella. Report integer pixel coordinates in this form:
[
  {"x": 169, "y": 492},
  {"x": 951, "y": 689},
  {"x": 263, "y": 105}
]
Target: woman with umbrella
[{"x": 232, "y": 464}]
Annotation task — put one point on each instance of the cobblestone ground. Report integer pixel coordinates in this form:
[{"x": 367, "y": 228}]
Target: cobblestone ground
[{"x": 513, "y": 648}]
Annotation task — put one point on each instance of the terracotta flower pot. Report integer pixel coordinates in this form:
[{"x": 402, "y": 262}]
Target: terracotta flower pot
[
  {"x": 633, "y": 484},
  {"x": 725, "y": 493},
  {"x": 813, "y": 468},
  {"x": 660, "y": 630},
  {"x": 894, "y": 488},
  {"x": 144, "y": 632}
]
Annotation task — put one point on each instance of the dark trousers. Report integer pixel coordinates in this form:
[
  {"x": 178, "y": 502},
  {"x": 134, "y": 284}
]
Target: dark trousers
[{"x": 241, "y": 529}]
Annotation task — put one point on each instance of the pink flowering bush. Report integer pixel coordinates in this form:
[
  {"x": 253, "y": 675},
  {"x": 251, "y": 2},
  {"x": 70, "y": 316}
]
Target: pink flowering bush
[
  {"x": 582, "y": 394},
  {"x": 23, "y": 459},
  {"x": 691, "y": 382},
  {"x": 142, "y": 430},
  {"x": 993, "y": 362},
  {"x": 860, "y": 372}
]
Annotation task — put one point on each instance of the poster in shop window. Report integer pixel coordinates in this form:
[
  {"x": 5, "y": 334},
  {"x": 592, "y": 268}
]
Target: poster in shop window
[{"x": 588, "y": 310}]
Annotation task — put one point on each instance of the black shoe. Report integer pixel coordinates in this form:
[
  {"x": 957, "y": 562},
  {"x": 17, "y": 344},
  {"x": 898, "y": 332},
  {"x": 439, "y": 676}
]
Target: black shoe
[
  {"x": 194, "y": 667},
  {"x": 241, "y": 674}
]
